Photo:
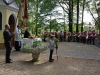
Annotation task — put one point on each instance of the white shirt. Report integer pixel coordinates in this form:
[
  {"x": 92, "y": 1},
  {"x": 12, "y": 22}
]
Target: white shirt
[
  {"x": 17, "y": 35},
  {"x": 51, "y": 43}
]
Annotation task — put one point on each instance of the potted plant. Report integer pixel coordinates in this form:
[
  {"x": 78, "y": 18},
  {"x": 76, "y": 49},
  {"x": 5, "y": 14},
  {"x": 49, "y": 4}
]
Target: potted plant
[{"x": 36, "y": 48}]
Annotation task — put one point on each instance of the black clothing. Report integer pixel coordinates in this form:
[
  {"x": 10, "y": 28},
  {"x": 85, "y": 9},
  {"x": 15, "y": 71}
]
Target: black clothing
[
  {"x": 45, "y": 38},
  {"x": 7, "y": 37},
  {"x": 69, "y": 38},
  {"x": 17, "y": 45},
  {"x": 89, "y": 41},
  {"x": 51, "y": 53},
  {"x": 93, "y": 40},
  {"x": 26, "y": 34}
]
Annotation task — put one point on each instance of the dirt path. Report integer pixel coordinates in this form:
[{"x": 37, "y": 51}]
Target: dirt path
[{"x": 64, "y": 66}]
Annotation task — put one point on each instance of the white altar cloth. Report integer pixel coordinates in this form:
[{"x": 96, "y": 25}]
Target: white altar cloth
[
  {"x": 27, "y": 40},
  {"x": 38, "y": 39}
]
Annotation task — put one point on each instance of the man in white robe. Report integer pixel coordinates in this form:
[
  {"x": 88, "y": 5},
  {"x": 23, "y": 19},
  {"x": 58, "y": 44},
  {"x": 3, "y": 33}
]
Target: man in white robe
[{"x": 17, "y": 38}]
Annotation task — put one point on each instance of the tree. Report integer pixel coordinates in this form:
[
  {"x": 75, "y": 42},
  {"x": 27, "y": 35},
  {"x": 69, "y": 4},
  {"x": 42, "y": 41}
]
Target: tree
[
  {"x": 77, "y": 16},
  {"x": 91, "y": 6},
  {"x": 82, "y": 15},
  {"x": 67, "y": 6}
]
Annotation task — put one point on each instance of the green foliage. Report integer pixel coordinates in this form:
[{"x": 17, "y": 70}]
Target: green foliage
[
  {"x": 30, "y": 25},
  {"x": 54, "y": 24},
  {"x": 47, "y": 6},
  {"x": 40, "y": 10},
  {"x": 17, "y": 1}
]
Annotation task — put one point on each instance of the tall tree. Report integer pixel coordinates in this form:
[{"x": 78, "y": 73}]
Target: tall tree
[
  {"x": 70, "y": 15},
  {"x": 37, "y": 2},
  {"x": 67, "y": 6},
  {"x": 77, "y": 29},
  {"x": 82, "y": 15},
  {"x": 46, "y": 8},
  {"x": 91, "y": 7}
]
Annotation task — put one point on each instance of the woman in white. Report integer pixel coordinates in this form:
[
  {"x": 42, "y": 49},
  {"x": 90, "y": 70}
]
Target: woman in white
[{"x": 17, "y": 38}]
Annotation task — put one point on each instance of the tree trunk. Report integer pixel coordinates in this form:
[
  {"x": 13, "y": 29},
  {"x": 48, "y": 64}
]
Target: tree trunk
[
  {"x": 77, "y": 29},
  {"x": 82, "y": 15},
  {"x": 70, "y": 15},
  {"x": 36, "y": 18},
  {"x": 50, "y": 23}
]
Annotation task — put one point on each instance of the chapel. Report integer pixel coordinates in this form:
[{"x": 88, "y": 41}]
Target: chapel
[{"x": 8, "y": 15}]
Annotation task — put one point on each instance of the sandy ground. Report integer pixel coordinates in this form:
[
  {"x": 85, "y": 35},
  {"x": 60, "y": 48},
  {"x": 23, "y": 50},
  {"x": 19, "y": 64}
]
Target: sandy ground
[{"x": 22, "y": 64}]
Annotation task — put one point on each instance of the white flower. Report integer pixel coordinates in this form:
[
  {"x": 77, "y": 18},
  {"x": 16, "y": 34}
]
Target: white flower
[{"x": 36, "y": 46}]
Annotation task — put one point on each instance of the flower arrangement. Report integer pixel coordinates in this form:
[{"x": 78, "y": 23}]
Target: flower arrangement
[
  {"x": 37, "y": 46},
  {"x": 40, "y": 35},
  {"x": 32, "y": 36}
]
